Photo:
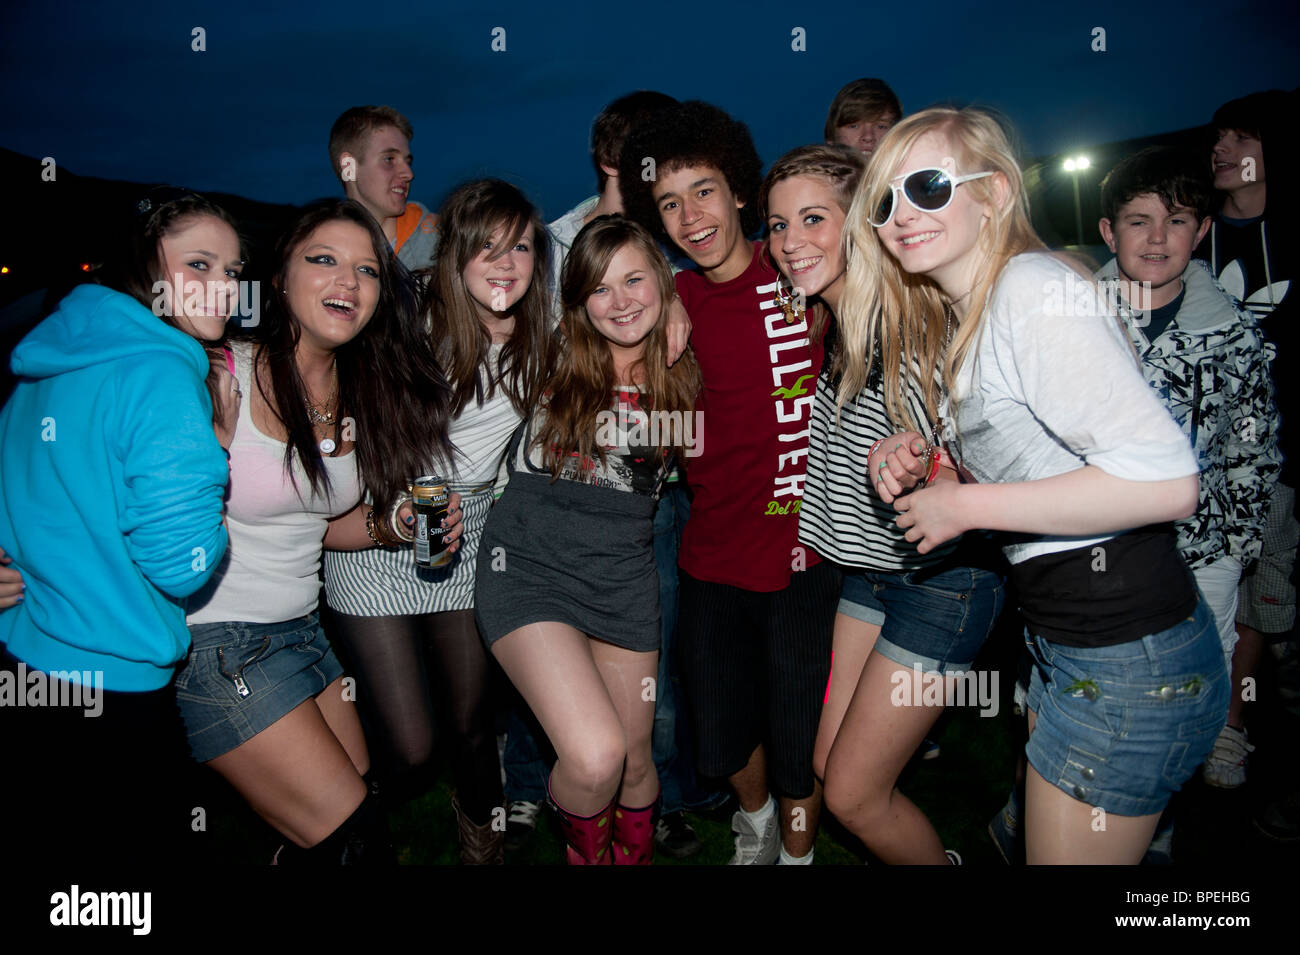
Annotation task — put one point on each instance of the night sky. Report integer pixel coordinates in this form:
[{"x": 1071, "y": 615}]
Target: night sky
[{"x": 115, "y": 89}]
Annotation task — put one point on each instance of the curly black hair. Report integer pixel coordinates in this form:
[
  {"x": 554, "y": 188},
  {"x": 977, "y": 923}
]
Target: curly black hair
[{"x": 693, "y": 133}]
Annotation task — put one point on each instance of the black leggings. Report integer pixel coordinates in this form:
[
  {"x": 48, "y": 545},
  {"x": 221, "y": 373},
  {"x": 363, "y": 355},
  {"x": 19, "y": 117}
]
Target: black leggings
[{"x": 411, "y": 671}]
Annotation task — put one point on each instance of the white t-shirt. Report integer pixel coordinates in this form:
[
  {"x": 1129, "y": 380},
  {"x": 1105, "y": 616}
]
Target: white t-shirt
[
  {"x": 563, "y": 231},
  {"x": 269, "y": 573},
  {"x": 1051, "y": 385},
  {"x": 480, "y": 433}
]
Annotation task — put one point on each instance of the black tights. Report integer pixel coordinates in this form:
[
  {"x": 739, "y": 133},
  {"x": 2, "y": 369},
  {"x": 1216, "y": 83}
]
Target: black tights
[{"x": 413, "y": 670}]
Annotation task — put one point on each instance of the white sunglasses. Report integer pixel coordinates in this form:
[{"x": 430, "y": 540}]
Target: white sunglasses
[{"x": 927, "y": 190}]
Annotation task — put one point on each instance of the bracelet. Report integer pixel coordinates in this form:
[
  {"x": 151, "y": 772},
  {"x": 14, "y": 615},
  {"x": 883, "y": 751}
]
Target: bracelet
[
  {"x": 404, "y": 535},
  {"x": 371, "y": 528},
  {"x": 872, "y": 449},
  {"x": 933, "y": 453},
  {"x": 934, "y": 468}
]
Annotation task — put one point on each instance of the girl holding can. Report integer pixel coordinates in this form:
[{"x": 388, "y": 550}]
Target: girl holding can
[
  {"x": 408, "y": 631},
  {"x": 261, "y": 693}
]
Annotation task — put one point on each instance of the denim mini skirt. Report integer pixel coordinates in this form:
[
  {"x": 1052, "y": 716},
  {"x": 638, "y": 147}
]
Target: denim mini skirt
[{"x": 241, "y": 677}]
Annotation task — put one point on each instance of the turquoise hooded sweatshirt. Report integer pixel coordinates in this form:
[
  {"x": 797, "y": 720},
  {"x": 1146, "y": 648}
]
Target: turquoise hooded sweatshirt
[{"x": 111, "y": 488}]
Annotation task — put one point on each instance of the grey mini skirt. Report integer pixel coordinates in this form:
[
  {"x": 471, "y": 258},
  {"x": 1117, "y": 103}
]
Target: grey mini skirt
[{"x": 573, "y": 553}]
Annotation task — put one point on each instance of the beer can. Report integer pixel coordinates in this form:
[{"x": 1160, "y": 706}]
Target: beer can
[{"x": 430, "y": 496}]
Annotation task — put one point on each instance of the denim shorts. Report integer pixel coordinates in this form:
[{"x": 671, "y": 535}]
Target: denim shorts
[
  {"x": 1123, "y": 727},
  {"x": 936, "y": 618},
  {"x": 242, "y": 677}
]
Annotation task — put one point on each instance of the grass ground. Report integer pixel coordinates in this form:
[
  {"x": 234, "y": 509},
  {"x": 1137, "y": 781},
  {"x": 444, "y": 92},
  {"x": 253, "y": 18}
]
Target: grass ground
[{"x": 960, "y": 792}]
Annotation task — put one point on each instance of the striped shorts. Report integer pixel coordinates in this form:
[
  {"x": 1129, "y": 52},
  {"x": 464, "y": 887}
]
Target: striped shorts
[{"x": 385, "y": 582}]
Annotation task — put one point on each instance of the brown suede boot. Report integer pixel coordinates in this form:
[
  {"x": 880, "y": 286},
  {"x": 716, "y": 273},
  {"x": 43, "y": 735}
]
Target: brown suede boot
[{"x": 480, "y": 845}]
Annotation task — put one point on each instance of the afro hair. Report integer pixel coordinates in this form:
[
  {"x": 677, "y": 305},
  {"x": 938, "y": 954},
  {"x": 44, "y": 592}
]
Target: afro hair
[{"x": 693, "y": 133}]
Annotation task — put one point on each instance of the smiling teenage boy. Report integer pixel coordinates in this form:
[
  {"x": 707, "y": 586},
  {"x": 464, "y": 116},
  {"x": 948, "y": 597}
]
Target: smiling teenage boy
[
  {"x": 370, "y": 151},
  {"x": 1252, "y": 247},
  {"x": 756, "y": 609},
  {"x": 1203, "y": 356}
]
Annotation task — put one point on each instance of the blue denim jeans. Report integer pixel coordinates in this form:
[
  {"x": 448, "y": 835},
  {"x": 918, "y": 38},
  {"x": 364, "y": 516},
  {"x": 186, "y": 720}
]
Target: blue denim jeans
[
  {"x": 1125, "y": 726},
  {"x": 526, "y": 767},
  {"x": 670, "y": 518}
]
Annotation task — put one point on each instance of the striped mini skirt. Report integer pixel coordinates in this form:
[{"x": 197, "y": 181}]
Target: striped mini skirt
[{"x": 386, "y": 582}]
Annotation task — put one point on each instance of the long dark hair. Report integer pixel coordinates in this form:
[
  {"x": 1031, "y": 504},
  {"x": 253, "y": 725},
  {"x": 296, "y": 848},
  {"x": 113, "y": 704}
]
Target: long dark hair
[
  {"x": 583, "y": 382},
  {"x": 466, "y": 221},
  {"x": 391, "y": 389},
  {"x": 135, "y": 263}
]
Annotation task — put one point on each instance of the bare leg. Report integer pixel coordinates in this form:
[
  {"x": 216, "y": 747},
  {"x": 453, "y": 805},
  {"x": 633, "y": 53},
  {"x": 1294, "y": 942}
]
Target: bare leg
[
  {"x": 750, "y": 783},
  {"x": 296, "y": 775},
  {"x": 1245, "y": 660},
  {"x": 852, "y": 642},
  {"x": 1059, "y": 829},
  {"x": 344, "y": 722},
  {"x": 799, "y": 819},
  {"x": 552, "y": 666},
  {"x": 875, "y": 741},
  {"x": 624, "y": 673}
]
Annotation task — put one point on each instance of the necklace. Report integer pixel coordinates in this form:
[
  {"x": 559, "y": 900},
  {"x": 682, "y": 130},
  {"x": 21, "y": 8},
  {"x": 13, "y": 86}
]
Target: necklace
[
  {"x": 324, "y": 414},
  {"x": 790, "y": 302}
]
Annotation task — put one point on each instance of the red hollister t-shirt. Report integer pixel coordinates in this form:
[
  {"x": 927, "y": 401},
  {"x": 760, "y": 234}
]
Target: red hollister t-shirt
[{"x": 760, "y": 374}]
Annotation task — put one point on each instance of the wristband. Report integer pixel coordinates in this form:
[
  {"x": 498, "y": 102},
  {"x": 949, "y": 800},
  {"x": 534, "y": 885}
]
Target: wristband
[{"x": 934, "y": 467}]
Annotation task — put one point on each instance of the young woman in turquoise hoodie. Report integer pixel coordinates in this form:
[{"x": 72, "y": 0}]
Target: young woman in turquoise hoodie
[{"x": 111, "y": 487}]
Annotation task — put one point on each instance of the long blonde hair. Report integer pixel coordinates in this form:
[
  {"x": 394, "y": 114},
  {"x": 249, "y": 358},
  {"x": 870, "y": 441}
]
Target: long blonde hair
[
  {"x": 840, "y": 168},
  {"x": 898, "y": 318}
]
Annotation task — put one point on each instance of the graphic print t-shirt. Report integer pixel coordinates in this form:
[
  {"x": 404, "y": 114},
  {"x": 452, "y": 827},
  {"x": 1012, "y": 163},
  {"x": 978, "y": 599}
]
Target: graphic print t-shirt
[
  {"x": 632, "y": 463},
  {"x": 749, "y": 465},
  {"x": 1254, "y": 261}
]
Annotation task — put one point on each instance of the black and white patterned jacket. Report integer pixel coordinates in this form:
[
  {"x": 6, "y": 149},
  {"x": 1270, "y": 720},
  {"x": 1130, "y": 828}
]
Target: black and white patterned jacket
[{"x": 1210, "y": 367}]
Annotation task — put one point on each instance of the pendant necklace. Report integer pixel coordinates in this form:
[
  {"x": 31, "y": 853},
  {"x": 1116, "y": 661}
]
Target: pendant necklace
[
  {"x": 790, "y": 302},
  {"x": 319, "y": 415}
]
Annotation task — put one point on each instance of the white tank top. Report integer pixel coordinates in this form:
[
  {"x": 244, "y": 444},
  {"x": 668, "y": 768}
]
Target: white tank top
[{"x": 269, "y": 573}]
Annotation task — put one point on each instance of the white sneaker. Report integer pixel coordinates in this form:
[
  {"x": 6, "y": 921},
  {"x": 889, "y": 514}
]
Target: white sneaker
[
  {"x": 753, "y": 848},
  {"x": 1225, "y": 767}
]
